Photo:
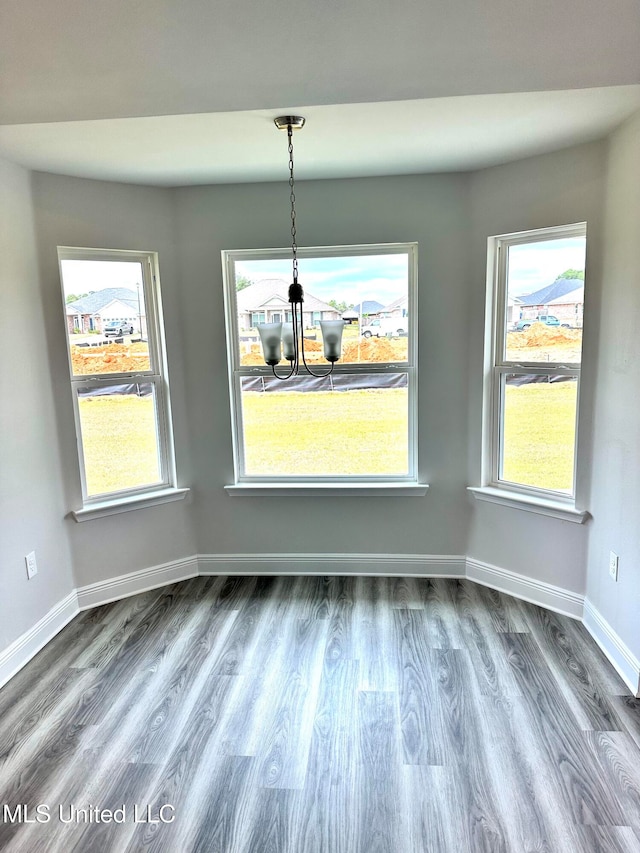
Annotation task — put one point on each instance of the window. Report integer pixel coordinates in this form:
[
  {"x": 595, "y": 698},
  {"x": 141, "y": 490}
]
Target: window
[
  {"x": 532, "y": 394},
  {"x": 357, "y": 424},
  {"x": 118, "y": 373}
]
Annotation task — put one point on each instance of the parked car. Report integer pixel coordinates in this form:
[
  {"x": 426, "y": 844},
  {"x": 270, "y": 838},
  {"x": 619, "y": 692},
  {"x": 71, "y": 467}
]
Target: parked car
[
  {"x": 117, "y": 327},
  {"x": 547, "y": 319},
  {"x": 383, "y": 326}
]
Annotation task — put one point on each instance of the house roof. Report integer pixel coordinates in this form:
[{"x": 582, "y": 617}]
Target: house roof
[
  {"x": 400, "y": 302},
  {"x": 99, "y": 299},
  {"x": 274, "y": 291},
  {"x": 554, "y": 292},
  {"x": 369, "y": 306}
]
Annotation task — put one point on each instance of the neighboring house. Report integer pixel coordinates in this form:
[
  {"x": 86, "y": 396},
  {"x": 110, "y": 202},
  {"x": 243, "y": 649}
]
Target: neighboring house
[
  {"x": 112, "y": 303},
  {"x": 514, "y": 311},
  {"x": 564, "y": 299},
  {"x": 397, "y": 308},
  {"x": 368, "y": 308},
  {"x": 266, "y": 302}
]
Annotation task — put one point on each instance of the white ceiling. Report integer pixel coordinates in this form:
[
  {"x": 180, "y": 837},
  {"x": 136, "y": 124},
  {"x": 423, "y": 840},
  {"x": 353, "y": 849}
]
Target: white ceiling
[
  {"x": 173, "y": 92},
  {"x": 401, "y": 137}
]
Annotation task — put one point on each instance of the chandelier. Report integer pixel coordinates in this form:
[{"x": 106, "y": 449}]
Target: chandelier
[{"x": 287, "y": 339}]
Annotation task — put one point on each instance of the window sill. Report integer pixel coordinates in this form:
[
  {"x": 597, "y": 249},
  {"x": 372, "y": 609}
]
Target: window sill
[
  {"x": 542, "y": 506},
  {"x": 376, "y": 490},
  {"x": 112, "y": 507}
]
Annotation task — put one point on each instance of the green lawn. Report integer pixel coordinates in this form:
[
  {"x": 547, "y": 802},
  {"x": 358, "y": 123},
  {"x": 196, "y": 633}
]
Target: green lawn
[
  {"x": 540, "y": 434},
  {"x": 119, "y": 442},
  {"x": 339, "y": 433}
]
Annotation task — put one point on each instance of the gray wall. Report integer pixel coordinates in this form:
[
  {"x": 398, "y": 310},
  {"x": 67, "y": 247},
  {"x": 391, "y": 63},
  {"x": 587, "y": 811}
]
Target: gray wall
[
  {"x": 554, "y": 189},
  {"x": 77, "y": 212},
  {"x": 615, "y": 493},
  {"x": 429, "y": 209},
  {"x": 32, "y": 501}
]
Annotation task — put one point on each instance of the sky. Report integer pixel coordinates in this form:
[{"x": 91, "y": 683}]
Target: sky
[
  {"x": 84, "y": 276},
  {"x": 534, "y": 265},
  {"x": 349, "y": 279}
]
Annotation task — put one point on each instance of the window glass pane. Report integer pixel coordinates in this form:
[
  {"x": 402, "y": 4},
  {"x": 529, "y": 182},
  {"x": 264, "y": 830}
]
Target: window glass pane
[
  {"x": 545, "y": 298},
  {"x": 119, "y": 437},
  {"x": 342, "y": 425},
  {"x": 539, "y": 430},
  {"x": 370, "y": 292},
  {"x": 105, "y": 316}
]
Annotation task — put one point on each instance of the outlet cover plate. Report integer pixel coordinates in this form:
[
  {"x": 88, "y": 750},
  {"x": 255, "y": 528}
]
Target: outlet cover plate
[
  {"x": 613, "y": 565},
  {"x": 32, "y": 566}
]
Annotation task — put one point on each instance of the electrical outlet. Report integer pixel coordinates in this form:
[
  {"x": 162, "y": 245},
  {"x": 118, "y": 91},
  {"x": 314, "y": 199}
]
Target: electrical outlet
[
  {"x": 613, "y": 565},
  {"x": 32, "y": 566}
]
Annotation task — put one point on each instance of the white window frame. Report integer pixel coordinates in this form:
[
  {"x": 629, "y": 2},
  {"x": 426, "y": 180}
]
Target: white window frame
[
  {"x": 493, "y": 488},
  {"x": 321, "y": 485},
  {"x": 107, "y": 503}
]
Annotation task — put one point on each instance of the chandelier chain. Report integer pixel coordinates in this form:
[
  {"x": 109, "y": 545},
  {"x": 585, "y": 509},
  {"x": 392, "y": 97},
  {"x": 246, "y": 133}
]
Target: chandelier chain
[{"x": 292, "y": 197}]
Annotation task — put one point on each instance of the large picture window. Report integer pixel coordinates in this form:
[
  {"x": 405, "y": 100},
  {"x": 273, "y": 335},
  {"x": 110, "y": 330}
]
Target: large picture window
[
  {"x": 118, "y": 372},
  {"x": 536, "y": 345},
  {"x": 357, "y": 424}
]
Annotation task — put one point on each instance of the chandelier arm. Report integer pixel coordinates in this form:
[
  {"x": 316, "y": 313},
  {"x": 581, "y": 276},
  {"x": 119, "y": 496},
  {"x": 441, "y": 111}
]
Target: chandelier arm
[
  {"x": 284, "y": 378},
  {"x": 308, "y": 369}
]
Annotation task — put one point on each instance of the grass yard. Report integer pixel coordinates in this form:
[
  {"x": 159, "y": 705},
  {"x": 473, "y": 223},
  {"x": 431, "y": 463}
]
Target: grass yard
[
  {"x": 327, "y": 432},
  {"x": 335, "y": 433},
  {"x": 119, "y": 442},
  {"x": 539, "y": 435}
]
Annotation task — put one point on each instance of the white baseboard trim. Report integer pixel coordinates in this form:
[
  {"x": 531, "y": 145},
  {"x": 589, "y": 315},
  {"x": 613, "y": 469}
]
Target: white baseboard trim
[
  {"x": 367, "y": 565},
  {"x": 618, "y": 653},
  {"x": 123, "y": 586},
  {"x": 537, "y": 592},
  {"x": 20, "y": 652}
]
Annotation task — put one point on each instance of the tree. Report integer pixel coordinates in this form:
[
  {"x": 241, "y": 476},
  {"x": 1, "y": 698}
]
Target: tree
[
  {"x": 572, "y": 274},
  {"x": 72, "y": 297},
  {"x": 339, "y": 306},
  {"x": 242, "y": 281}
]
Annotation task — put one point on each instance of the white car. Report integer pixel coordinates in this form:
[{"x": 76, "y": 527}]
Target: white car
[
  {"x": 117, "y": 327},
  {"x": 386, "y": 326}
]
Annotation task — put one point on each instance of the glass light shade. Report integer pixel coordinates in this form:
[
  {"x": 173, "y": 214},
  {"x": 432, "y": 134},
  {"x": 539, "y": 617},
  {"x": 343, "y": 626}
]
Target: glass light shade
[
  {"x": 270, "y": 334},
  {"x": 287, "y": 341},
  {"x": 332, "y": 337}
]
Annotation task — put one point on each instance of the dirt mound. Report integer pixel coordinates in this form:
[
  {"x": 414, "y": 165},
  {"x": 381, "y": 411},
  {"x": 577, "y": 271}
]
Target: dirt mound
[
  {"x": 111, "y": 358},
  {"x": 539, "y": 335},
  {"x": 370, "y": 349}
]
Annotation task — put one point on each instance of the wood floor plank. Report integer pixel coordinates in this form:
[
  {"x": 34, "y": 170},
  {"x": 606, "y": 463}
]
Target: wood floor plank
[
  {"x": 579, "y": 787},
  {"x": 407, "y": 593},
  {"x": 324, "y": 715},
  {"x": 442, "y": 615},
  {"x": 615, "y": 755},
  {"x": 379, "y": 764},
  {"x": 323, "y": 816},
  {"x": 420, "y": 711},
  {"x": 504, "y": 611},
  {"x": 563, "y": 655},
  {"x": 430, "y": 817},
  {"x": 284, "y": 754},
  {"x": 340, "y": 636},
  {"x": 628, "y": 708},
  {"x": 204, "y": 815},
  {"x": 372, "y": 625},
  {"x": 463, "y": 747}
]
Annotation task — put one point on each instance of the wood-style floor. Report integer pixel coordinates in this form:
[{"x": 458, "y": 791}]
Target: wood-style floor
[{"x": 320, "y": 715}]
